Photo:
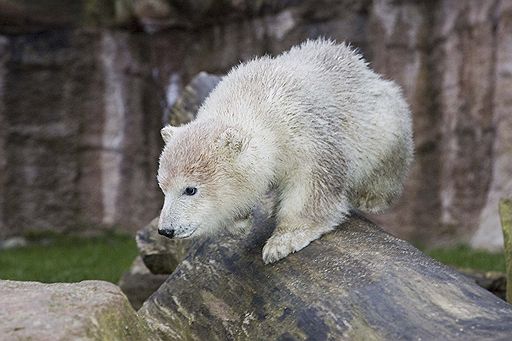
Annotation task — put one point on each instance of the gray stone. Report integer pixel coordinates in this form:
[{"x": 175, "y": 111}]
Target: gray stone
[
  {"x": 194, "y": 94},
  {"x": 139, "y": 283},
  {"x": 357, "y": 282},
  {"x": 89, "y": 310},
  {"x": 12, "y": 243},
  {"x": 155, "y": 15}
]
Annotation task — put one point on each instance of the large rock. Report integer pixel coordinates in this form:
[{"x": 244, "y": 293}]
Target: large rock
[
  {"x": 357, "y": 282},
  {"x": 89, "y": 310}
]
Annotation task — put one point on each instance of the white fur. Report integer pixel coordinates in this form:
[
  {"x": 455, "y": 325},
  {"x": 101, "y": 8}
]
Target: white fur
[{"x": 315, "y": 124}]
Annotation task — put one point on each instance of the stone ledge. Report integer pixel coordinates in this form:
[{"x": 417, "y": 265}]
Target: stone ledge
[
  {"x": 357, "y": 282},
  {"x": 89, "y": 310}
]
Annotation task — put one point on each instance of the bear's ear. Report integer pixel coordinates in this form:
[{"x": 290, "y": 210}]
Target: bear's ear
[
  {"x": 233, "y": 140},
  {"x": 167, "y": 132}
]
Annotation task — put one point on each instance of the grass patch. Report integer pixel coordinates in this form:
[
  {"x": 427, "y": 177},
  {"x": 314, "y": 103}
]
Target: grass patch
[
  {"x": 70, "y": 259},
  {"x": 463, "y": 256},
  {"x": 107, "y": 257}
]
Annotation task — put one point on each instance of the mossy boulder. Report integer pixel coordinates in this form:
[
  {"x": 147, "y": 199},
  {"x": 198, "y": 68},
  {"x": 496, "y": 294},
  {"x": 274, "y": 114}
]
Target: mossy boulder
[{"x": 89, "y": 310}]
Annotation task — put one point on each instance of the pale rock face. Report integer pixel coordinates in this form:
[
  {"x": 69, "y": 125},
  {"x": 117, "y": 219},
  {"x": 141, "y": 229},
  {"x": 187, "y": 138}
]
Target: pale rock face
[
  {"x": 315, "y": 124},
  {"x": 489, "y": 234},
  {"x": 89, "y": 310}
]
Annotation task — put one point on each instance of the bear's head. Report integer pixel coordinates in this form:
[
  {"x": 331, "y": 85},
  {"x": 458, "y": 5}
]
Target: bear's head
[{"x": 205, "y": 174}]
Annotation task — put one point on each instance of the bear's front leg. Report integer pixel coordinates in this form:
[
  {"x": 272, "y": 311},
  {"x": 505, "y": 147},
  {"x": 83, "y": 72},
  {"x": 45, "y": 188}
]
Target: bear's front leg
[
  {"x": 300, "y": 221},
  {"x": 287, "y": 239}
]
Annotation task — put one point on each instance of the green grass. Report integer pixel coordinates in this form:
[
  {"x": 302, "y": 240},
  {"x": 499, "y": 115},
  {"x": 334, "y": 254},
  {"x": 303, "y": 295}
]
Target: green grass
[
  {"x": 463, "y": 256},
  {"x": 70, "y": 259},
  {"x": 107, "y": 257}
]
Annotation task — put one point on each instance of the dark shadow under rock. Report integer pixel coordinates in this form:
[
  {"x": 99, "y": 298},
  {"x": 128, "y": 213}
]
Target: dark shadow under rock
[
  {"x": 139, "y": 283},
  {"x": 357, "y": 282},
  {"x": 495, "y": 282}
]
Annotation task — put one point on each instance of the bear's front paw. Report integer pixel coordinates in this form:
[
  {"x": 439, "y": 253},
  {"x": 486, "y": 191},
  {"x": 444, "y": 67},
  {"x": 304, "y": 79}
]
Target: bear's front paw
[{"x": 280, "y": 246}]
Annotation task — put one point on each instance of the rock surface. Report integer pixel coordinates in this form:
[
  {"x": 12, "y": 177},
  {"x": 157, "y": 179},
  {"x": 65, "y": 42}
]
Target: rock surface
[
  {"x": 187, "y": 105},
  {"x": 89, "y": 310},
  {"x": 80, "y": 133},
  {"x": 139, "y": 283},
  {"x": 500, "y": 185},
  {"x": 357, "y": 282}
]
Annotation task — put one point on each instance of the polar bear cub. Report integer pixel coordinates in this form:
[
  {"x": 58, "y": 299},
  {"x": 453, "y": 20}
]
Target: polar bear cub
[{"x": 314, "y": 124}]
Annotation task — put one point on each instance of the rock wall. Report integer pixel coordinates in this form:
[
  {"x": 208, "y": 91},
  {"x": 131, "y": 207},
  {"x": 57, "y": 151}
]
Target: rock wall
[
  {"x": 81, "y": 123},
  {"x": 102, "y": 86},
  {"x": 500, "y": 184}
]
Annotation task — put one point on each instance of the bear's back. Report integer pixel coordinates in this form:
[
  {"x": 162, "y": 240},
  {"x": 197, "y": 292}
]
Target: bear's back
[{"x": 321, "y": 101}]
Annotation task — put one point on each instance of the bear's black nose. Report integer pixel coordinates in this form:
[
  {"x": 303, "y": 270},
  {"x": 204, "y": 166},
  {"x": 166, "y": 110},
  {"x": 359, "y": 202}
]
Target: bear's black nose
[{"x": 167, "y": 233}]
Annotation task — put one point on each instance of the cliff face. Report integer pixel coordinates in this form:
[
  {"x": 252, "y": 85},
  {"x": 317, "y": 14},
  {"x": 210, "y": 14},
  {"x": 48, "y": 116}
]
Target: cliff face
[
  {"x": 82, "y": 101},
  {"x": 81, "y": 138}
]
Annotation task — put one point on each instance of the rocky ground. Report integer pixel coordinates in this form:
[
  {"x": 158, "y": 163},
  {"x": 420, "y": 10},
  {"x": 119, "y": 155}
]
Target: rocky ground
[{"x": 357, "y": 282}]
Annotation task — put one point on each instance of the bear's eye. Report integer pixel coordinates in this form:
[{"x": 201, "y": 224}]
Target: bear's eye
[{"x": 190, "y": 191}]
